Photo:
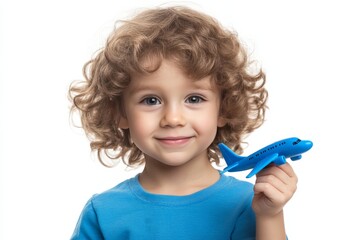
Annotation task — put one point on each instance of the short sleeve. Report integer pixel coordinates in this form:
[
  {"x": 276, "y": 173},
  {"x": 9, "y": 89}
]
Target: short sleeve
[{"x": 87, "y": 227}]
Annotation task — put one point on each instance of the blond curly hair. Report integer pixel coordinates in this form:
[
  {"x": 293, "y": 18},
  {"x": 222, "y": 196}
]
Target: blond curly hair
[{"x": 200, "y": 45}]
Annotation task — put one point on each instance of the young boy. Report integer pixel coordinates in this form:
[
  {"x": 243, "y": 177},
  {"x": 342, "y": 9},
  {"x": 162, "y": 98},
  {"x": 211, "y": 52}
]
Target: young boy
[{"x": 171, "y": 84}]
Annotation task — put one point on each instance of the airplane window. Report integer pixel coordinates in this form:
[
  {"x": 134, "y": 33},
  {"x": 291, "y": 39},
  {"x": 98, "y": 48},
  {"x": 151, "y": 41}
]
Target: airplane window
[{"x": 296, "y": 142}]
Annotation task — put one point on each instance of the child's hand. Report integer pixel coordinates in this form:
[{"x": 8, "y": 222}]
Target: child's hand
[{"x": 274, "y": 187}]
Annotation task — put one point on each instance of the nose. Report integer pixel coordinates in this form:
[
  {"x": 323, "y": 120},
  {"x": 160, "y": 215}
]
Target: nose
[{"x": 173, "y": 116}]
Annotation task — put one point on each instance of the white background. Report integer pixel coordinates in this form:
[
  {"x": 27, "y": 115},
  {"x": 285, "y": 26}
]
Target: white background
[{"x": 309, "y": 50}]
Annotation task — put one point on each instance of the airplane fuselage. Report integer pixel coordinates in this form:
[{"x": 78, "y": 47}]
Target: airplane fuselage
[{"x": 278, "y": 151}]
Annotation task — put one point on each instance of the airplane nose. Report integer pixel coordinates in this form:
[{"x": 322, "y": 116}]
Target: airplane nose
[{"x": 307, "y": 144}]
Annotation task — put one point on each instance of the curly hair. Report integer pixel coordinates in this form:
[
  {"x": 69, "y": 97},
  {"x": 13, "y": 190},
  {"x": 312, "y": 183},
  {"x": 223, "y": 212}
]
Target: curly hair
[{"x": 200, "y": 46}]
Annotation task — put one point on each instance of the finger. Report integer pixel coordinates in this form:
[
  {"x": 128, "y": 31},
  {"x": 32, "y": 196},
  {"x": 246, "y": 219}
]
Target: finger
[
  {"x": 271, "y": 193},
  {"x": 287, "y": 169},
  {"x": 279, "y": 179},
  {"x": 284, "y": 172},
  {"x": 275, "y": 181}
]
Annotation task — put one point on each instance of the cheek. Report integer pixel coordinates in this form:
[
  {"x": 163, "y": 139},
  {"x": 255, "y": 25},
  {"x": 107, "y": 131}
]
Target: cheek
[
  {"x": 140, "y": 127},
  {"x": 206, "y": 124}
]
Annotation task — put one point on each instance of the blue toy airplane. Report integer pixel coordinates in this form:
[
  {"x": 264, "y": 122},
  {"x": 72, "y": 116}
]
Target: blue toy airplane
[{"x": 274, "y": 153}]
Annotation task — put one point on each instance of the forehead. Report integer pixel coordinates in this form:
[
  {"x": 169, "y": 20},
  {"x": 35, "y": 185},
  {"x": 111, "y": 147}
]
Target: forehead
[{"x": 168, "y": 72}]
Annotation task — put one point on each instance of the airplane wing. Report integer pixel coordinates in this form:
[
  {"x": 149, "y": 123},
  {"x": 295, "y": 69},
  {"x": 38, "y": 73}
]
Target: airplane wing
[{"x": 278, "y": 160}]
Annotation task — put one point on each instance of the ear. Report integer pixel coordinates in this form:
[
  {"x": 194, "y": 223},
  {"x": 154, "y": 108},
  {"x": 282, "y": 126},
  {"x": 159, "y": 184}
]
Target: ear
[
  {"x": 123, "y": 123},
  {"x": 121, "y": 115},
  {"x": 221, "y": 122}
]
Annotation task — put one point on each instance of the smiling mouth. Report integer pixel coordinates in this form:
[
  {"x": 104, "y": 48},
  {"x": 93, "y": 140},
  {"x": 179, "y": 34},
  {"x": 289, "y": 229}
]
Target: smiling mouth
[{"x": 174, "y": 140}]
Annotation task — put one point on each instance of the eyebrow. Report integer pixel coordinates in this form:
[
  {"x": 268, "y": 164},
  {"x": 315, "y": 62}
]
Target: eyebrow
[
  {"x": 197, "y": 85},
  {"x": 141, "y": 88},
  {"x": 210, "y": 87}
]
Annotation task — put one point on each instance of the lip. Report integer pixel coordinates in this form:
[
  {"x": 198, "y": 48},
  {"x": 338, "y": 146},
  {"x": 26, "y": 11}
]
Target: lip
[{"x": 174, "y": 141}]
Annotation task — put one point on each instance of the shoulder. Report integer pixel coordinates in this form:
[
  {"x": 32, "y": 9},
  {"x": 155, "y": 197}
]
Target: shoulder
[
  {"x": 237, "y": 184},
  {"x": 101, "y": 209},
  {"x": 119, "y": 193}
]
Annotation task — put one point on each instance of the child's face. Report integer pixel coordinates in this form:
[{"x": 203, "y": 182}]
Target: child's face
[{"x": 172, "y": 119}]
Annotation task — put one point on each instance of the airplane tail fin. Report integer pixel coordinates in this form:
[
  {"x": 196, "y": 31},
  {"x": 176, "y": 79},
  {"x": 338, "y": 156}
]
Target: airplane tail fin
[{"x": 229, "y": 155}]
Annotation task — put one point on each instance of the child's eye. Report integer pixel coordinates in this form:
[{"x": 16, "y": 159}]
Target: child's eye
[
  {"x": 194, "y": 99},
  {"x": 151, "y": 101}
]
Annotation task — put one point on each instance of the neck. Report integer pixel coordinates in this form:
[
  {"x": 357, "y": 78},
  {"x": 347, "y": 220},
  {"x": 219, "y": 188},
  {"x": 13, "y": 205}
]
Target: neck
[{"x": 186, "y": 179}]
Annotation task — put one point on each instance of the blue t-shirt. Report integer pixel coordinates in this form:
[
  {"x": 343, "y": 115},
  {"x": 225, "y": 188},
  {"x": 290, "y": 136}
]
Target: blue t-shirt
[{"x": 127, "y": 211}]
